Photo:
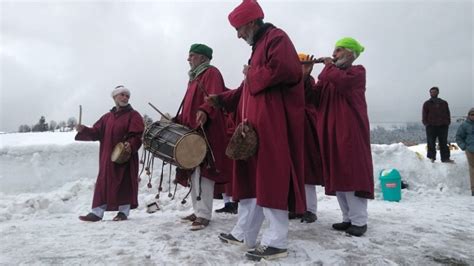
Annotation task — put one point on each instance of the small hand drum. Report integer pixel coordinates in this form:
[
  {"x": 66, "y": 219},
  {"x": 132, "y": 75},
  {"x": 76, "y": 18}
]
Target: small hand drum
[{"x": 119, "y": 154}]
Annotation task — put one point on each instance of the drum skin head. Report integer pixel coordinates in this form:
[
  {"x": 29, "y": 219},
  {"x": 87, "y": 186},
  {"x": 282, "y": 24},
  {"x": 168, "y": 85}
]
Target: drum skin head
[
  {"x": 119, "y": 155},
  {"x": 190, "y": 151}
]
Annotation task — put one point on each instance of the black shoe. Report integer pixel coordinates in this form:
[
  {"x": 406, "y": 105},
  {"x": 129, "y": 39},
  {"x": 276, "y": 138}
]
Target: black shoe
[
  {"x": 355, "y": 230},
  {"x": 293, "y": 215},
  {"x": 309, "y": 217},
  {"x": 473, "y": 193},
  {"x": 230, "y": 239},
  {"x": 229, "y": 207},
  {"x": 120, "y": 217},
  {"x": 90, "y": 217},
  {"x": 265, "y": 252},
  {"x": 448, "y": 161},
  {"x": 342, "y": 226}
]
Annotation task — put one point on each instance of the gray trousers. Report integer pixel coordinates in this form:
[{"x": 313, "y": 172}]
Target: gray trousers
[
  {"x": 99, "y": 211},
  {"x": 354, "y": 209},
  {"x": 250, "y": 220},
  {"x": 311, "y": 198}
]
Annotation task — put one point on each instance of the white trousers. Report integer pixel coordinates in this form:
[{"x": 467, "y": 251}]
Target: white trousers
[
  {"x": 251, "y": 217},
  {"x": 99, "y": 211},
  {"x": 226, "y": 198},
  {"x": 202, "y": 208},
  {"x": 354, "y": 209},
  {"x": 311, "y": 198}
]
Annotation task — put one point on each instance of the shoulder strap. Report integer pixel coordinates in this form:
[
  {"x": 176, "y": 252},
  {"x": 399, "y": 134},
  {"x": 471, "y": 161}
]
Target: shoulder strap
[{"x": 128, "y": 134}]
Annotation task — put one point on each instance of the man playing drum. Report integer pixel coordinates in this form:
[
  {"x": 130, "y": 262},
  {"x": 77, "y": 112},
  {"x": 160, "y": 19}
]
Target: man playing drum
[
  {"x": 205, "y": 79},
  {"x": 116, "y": 187}
]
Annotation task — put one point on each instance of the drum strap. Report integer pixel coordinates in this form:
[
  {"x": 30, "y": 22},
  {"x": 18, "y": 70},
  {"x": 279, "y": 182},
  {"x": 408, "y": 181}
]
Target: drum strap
[
  {"x": 180, "y": 107},
  {"x": 128, "y": 134}
]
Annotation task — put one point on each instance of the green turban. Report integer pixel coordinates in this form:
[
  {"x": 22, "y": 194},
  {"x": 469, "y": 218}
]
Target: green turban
[
  {"x": 201, "y": 49},
  {"x": 351, "y": 44}
]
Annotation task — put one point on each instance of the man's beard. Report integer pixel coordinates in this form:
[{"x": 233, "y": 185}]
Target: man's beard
[
  {"x": 342, "y": 62},
  {"x": 250, "y": 39},
  {"x": 121, "y": 104}
]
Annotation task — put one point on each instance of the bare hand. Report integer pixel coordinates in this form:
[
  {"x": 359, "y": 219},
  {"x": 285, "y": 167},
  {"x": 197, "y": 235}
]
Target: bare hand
[
  {"x": 201, "y": 117},
  {"x": 212, "y": 100},
  {"x": 246, "y": 70},
  {"x": 79, "y": 127},
  {"x": 127, "y": 147},
  {"x": 328, "y": 61}
]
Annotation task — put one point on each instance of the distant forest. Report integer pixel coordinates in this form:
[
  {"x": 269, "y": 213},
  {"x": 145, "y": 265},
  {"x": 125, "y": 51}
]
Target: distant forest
[{"x": 411, "y": 134}]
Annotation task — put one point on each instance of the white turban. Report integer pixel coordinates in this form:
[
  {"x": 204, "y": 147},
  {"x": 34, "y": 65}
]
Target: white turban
[{"x": 120, "y": 89}]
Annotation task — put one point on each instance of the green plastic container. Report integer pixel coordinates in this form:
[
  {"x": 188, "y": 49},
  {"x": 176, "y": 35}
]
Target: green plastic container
[{"x": 390, "y": 181}]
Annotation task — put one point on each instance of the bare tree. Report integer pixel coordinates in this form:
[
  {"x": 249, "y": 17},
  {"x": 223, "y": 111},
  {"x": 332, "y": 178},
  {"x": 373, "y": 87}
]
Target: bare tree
[
  {"x": 71, "y": 123},
  {"x": 61, "y": 125},
  {"x": 24, "y": 128},
  {"x": 53, "y": 125},
  {"x": 41, "y": 126}
]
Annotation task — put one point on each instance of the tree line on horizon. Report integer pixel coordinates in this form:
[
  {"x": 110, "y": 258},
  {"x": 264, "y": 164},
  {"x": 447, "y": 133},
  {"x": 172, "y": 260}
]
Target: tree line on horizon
[
  {"x": 411, "y": 134},
  {"x": 61, "y": 126}
]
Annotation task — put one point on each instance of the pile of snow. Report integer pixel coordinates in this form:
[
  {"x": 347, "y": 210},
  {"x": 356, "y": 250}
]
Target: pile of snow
[{"x": 47, "y": 180}]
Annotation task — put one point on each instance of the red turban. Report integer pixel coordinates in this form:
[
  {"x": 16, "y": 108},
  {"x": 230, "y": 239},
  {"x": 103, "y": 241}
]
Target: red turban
[{"x": 247, "y": 11}]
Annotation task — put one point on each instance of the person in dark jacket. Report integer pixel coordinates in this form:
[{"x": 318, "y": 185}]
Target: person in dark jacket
[
  {"x": 465, "y": 141},
  {"x": 116, "y": 188},
  {"x": 436, "y": 118}
]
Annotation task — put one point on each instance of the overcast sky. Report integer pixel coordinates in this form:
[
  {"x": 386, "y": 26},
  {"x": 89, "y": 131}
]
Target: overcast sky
[{"x": 56, "y": 55}]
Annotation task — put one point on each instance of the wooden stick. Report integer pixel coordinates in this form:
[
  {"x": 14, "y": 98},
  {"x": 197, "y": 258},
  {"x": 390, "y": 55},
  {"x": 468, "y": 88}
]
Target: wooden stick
[
  {"x": 156, "y": 109},
  {"x": 80, "y": 115}
]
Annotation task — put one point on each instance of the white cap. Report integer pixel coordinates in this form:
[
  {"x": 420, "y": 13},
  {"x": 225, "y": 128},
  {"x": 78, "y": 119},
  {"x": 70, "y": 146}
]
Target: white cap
[{"x": 120, "y": 89}]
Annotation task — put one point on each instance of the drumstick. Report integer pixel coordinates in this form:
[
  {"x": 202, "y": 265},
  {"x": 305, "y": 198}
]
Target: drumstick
[
  {"x": 80, "y": 115},
  {"x": 208, "y": 145},
  {"x": 156, "y": 109}
]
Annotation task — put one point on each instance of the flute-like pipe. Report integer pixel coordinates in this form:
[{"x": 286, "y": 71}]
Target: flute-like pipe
[{"x": 316, "y": 61}]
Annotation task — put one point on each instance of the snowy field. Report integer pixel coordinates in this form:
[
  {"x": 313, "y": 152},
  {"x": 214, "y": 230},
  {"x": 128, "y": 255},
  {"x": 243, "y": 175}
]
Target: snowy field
[{"x": 47, "y": 180}]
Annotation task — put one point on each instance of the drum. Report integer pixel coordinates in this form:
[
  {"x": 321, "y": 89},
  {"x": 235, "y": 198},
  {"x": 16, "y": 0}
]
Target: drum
[
  {"x": 175, "y": 144},
  {"x": 119, "y": 154}
]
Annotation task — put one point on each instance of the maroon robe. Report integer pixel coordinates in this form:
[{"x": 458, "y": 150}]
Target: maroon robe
[
  {"x": 313, "y": 172},
  {"x": 343, "y": 131},
  {"x": 274, "y": 103},
  {"x": 208, "y": 82},
  {"x": 117, "y": 184}
]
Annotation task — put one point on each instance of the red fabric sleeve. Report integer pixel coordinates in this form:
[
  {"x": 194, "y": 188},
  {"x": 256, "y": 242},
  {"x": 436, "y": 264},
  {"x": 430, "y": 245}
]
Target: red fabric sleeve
[
  {"x": 93, "y": 133},
  {"x": 345, "y": 80},
  {"x": 277, "y": 70},
  {"x": 136, "y": 130},
  {"x": 213, "y": 83},
  {"x": 231, "y": 98}
]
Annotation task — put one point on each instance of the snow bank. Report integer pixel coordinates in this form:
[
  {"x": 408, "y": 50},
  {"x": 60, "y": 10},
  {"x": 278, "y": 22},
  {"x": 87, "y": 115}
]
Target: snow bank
[{"x": 47, "y": 180}]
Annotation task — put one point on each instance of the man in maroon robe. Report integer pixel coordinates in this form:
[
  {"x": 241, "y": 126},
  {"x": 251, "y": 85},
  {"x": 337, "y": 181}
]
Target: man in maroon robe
[
  {"x": 344, "y": 135},
  {"x": 116, "y": 187},
  {"x": 271, "y": 99},
  {"x": 205, "y": 79},
  {"x": 312, "y": 158}
]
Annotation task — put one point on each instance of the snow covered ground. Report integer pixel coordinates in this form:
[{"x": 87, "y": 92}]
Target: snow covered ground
[{"x": 47, "y": 179}]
